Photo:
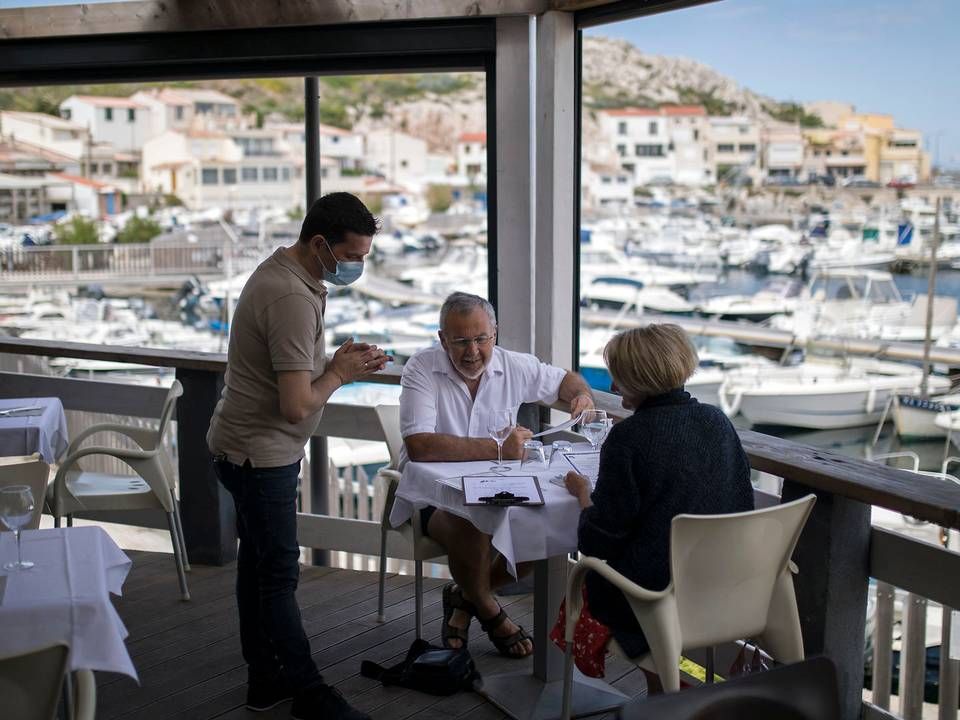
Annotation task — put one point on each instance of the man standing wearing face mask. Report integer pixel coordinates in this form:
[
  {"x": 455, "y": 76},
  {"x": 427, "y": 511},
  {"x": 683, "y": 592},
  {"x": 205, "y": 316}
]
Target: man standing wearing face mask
[{"x": 277, "y": 382}]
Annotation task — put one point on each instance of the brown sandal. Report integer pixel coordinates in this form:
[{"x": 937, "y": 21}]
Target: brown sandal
[
  {"x": 505, "y": 643},
  {"x": 453, "y": 600}
]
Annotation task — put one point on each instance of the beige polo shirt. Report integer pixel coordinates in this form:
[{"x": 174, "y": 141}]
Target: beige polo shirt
[{"x": 277, "y": 326}]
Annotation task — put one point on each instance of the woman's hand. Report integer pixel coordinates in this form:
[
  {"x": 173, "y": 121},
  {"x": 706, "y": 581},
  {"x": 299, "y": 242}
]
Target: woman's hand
[
  {"x": 579, "y": 486},
  {"x": 355, "y": 361}
]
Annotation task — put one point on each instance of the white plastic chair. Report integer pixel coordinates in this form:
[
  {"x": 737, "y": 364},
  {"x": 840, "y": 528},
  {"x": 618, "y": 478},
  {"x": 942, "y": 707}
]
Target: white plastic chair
[
  {"x": 31, "y": 683},
  {"x": 731, "y": 578},
  {"x": 74, "y": 490},
  {"x": 423, "y": 547},
  {"x": 29, "y": 470}
]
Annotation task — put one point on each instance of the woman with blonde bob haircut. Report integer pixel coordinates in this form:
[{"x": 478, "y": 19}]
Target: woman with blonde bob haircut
[
  {"x": 650, "y": 361},
  {"x": 672, "y": 455}
]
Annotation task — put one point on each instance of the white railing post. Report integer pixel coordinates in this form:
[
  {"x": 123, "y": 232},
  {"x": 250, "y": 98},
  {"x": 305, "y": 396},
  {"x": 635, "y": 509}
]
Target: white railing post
[{"x": 75, "y": 260}]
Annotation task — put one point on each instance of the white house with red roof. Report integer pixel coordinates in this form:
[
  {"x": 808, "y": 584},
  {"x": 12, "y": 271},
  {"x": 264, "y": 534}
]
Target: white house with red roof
[
  {"x": 668, "y": 143},
  {"x": 120, "y": 121},
  {"x": 472, "y": 157}
]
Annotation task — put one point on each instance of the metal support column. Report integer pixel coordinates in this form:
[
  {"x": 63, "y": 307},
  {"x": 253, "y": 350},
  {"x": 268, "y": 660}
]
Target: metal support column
[
  {"x": 319, "y": 459},
  {"x": 209, "y": 520}
]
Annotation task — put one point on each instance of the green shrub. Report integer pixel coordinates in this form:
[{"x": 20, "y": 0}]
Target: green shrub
[
  {"x": 77, "y": 231},
  {"x": 138, "y": 230}
]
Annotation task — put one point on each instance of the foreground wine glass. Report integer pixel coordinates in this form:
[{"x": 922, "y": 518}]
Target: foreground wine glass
[
  {"x": 16, "y": 509},
  {"x": 500, "y": 425},
  {"x": 593, "y": 426}
]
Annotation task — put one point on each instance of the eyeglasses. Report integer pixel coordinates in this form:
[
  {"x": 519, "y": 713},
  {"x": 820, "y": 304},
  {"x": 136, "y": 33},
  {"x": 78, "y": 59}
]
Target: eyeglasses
[{"x": 464, "y": 343}]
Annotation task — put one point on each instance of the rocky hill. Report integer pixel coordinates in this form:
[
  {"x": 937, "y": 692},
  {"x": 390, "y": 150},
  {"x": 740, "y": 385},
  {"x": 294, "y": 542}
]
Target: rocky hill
[{"x": 439, "y": 107}]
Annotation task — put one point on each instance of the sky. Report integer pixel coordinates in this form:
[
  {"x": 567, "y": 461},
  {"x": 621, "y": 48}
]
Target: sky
[{"x": 884, "y": 56}]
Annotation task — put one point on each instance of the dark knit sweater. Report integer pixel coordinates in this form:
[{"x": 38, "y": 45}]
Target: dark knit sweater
[{"x": 674, "y": 455}]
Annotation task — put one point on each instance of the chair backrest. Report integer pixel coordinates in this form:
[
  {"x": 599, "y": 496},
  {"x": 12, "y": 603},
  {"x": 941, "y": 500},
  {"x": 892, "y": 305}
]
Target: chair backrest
[
  {"x": 169, "y": 405},
  {"x": 30, "y": 683},
  {"x": 805, "y": 690},
  {"x": 724, "y": 569},
  {"x": 389, "y": 416},
  {"x": 31, "y": 471}
]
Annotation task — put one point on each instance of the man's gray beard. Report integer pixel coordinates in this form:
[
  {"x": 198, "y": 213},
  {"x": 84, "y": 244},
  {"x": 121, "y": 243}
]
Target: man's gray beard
[{"x": 469, "y": 376}]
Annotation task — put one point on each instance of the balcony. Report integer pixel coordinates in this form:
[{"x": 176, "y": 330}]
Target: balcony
[{"x": 189, "y": 656}]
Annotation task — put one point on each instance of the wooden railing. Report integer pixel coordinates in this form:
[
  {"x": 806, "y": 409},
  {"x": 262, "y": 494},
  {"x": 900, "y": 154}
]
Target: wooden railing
[{"x": 838, "y": 553}]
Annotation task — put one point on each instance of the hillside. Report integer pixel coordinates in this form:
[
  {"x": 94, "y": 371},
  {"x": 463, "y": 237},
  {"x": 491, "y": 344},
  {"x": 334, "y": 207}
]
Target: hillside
[{"x": 438, "y": 107}]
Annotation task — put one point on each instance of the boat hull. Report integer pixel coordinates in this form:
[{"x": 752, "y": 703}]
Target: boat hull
[{"x": 815, "y": 411}]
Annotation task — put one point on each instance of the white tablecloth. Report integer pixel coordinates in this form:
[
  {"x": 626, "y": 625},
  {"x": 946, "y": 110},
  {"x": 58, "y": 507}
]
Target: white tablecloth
[
  {"x": 27, "y": 434},
  {"x": 65, "y": 597},
  {"x": 519, "y": 533}
]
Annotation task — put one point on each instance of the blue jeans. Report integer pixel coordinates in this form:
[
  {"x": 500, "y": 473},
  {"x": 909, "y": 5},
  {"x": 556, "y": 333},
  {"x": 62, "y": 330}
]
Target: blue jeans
[{"x": 268, "y": 570}]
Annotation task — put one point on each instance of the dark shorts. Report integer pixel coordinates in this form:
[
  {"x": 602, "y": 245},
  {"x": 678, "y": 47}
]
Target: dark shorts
[{"x": 425, "y": 515}]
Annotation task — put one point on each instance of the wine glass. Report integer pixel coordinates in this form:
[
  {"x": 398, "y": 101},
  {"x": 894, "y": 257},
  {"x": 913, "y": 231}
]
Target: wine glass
[
  {"x": 500, "y": 425},
  {"x": 16, "y": 509},
  {"x": 593, "y": 425}
]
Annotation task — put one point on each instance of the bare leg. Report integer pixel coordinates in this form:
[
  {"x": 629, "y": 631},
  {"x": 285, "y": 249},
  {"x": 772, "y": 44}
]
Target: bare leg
[{"x": 470, "y": 557}]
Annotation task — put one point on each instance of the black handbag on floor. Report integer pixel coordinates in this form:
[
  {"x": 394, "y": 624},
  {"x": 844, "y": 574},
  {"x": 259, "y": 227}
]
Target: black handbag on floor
[{"x": 429, "y": 669}]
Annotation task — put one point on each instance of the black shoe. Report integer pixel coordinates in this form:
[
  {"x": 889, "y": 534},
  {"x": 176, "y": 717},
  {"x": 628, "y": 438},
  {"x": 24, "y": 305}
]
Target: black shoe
[
  {"x": 266, "y": 695},
  {"x": 322, "y": 702}
]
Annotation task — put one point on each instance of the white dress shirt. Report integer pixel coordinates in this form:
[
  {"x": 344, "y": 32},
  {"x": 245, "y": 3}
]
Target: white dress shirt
[{"x": 434, "y": 398}]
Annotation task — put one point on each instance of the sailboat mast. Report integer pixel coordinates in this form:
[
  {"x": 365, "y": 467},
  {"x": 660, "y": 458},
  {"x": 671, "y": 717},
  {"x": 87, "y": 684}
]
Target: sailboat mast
[{"x": 931, "y": 289}]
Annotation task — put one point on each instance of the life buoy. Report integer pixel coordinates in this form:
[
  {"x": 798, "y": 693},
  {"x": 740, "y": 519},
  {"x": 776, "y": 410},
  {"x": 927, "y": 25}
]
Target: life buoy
[{"x": 730, "y": 409}]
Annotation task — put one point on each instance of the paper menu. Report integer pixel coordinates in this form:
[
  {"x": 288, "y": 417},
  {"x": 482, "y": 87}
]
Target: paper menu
[
  {"x": 587, "y": 463},
  {"x": 477, "y": 487}
]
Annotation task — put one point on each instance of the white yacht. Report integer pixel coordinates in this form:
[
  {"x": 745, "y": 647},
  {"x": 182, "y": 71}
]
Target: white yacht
[
  {"x": 617, "y": 291},
  {"x": 778, "y": 296},
  {"x": 820, "y": 393}
]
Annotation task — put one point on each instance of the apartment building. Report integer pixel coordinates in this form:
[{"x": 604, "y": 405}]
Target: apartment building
[
  {"x": 212, "y": 169},
  {"x": 782, "y": 150},
  {"x": 735, "y": 142}
]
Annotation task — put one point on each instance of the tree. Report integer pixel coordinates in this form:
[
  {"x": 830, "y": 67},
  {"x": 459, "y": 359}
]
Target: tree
[
  {"x": 439, "y": 198},
  {"x": 138, "y": 230},
  {"x": 78, "y": 231}
]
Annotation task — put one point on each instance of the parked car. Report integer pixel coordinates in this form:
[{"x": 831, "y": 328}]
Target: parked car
[
  {"x": 859, "y": 181},
  {"x": 782, "y": 181},
  {"x": 901, "y": 183},
  {"x": 826, "y": 180}
]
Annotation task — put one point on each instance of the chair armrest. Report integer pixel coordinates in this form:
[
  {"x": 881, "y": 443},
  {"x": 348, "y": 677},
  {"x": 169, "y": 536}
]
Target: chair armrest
[
  {"x": 135, "y": 434},
  {"x": 392, "y": 479},
  {"x": 575, "y": 588}
]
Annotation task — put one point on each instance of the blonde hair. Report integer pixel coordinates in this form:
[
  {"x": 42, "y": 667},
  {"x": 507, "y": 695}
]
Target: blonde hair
[{"x": 650, "y": 360}]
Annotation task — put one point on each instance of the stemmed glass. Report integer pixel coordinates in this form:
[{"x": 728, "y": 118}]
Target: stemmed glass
[
  {"x": 593, "y": 426},
  {"x": 16, "y": 509},
  {"x": 500, "y": 425}
]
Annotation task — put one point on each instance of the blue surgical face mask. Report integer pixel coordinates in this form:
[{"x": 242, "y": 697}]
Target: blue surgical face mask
[{"x": 345, "y": 273}]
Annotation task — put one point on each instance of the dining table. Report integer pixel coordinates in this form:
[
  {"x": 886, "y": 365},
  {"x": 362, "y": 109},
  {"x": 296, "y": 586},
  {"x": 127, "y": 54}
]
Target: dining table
[
  {"x": 65, "y": 597},
  {"x": 33, "y": 425},
  {"x": 544, "y": 535}
]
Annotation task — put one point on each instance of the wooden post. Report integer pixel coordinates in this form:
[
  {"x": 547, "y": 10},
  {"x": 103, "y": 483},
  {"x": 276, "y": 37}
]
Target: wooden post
[
  {"x": 931, "y": 289},
  {"x": 913, "y": 657},
  {"x": 832, "y": 585},
  {"x": 883, "y": 645},
  {"x": 209, "y": 520},
  {"x": 949, "y": 671}
]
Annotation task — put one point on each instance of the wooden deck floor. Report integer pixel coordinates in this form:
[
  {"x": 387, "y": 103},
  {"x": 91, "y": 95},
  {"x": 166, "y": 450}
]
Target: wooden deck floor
[{"x": 188, "y": 654}]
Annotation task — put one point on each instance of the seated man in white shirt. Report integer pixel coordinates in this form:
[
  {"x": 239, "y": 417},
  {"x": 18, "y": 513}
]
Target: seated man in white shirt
[{"x": 447, "y": 396}]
